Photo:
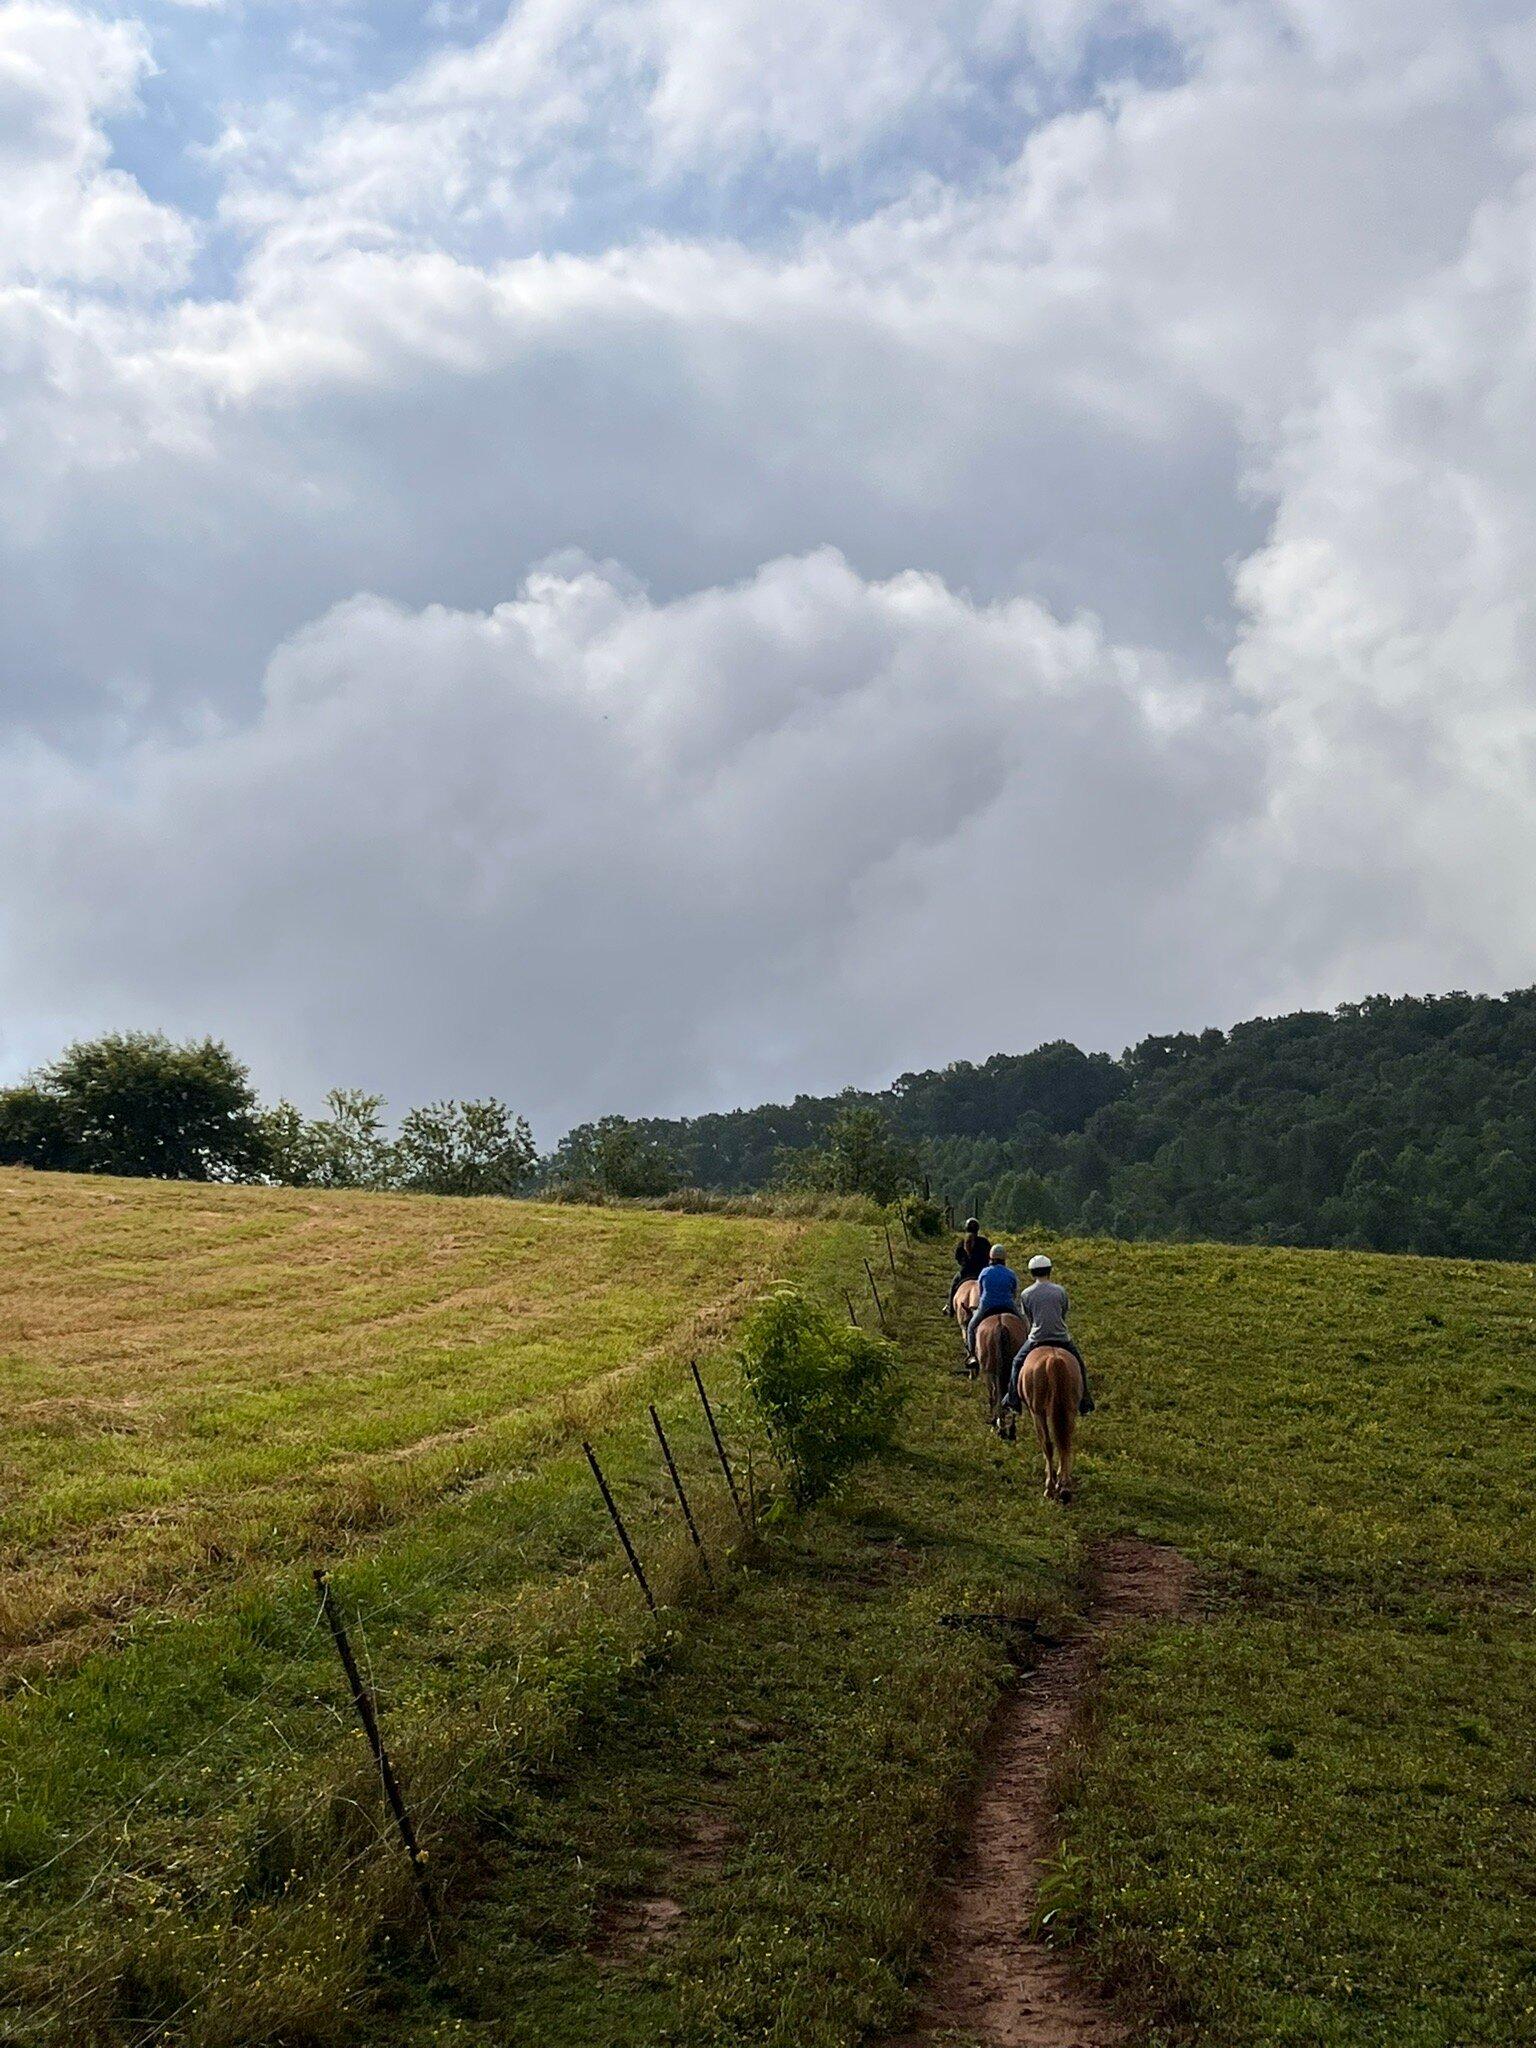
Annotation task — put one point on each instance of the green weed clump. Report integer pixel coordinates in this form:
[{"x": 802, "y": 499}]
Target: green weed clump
[
  {"x": 924, "y": 1218},
  {"x": 829, "y": 1396}
]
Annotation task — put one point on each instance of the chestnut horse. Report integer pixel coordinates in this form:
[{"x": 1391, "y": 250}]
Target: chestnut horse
[
  {"x": 1052, "y": 1386},
  {"x": 963, "y": 1307},
  {"x": 997, "y": 1342}
]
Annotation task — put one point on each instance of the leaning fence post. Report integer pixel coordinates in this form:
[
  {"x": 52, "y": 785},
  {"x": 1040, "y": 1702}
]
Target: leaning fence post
[
  {"x": 618, "y": 1522},
  {"x": 362, "y": 1699},
  {"x": 905, "y": 1233},
  {"x": 677, "y": 1486},
  {"x": 888, "y": 1252},
  {"x": 853, "y": 1314},
  {"x": 725, "y": 1463},
  {"x": 874, "y": 1290}
]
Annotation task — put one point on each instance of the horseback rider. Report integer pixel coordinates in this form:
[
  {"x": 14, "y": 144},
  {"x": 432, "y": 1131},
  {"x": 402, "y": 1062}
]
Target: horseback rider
[
  {"x": 1043, "y": 1305},
  {"x": 970, "y": 1259},
  {"x": 999, "y": 1286}
]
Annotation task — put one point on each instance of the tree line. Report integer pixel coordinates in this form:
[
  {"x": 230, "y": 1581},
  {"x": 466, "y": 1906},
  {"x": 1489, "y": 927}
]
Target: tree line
[
  {"x": 1395, "y": 1124},
  {"x": 135, "y": 1103}
]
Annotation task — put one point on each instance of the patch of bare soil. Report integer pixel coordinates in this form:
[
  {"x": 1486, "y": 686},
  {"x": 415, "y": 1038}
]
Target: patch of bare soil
[
  {"x": 630, "y": 1927},
  {"x": 990, "y": 1982}
]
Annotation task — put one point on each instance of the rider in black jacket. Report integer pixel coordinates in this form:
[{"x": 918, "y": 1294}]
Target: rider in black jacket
[{"x": 971, "y": 1255}]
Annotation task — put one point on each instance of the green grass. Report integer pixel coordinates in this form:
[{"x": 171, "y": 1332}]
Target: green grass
[
  {"x": 216, "y": 1388},
  {"x": 1309, "y": 1818},
  {"x": 1300, "y": 1815},
  {"x": 202, "y": 1380}
]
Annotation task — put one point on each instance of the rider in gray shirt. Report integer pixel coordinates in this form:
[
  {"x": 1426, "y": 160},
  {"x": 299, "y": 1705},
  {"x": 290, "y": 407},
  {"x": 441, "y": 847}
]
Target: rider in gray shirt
[{"x": 1045, "y": 1304}]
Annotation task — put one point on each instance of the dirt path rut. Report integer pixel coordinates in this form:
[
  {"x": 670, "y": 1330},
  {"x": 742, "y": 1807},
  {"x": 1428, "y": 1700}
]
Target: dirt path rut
[{"x": 990, "y": 1983}]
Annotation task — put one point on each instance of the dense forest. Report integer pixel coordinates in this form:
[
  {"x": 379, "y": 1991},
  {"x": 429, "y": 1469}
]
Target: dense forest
[{"x": 1398, "y": 1123}]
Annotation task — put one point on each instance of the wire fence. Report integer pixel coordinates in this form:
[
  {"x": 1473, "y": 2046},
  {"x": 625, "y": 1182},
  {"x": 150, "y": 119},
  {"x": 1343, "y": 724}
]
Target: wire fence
[{"x": 49, "y": 2014}]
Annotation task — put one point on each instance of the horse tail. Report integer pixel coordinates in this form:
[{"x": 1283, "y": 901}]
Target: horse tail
[{"x": 1065, "y": 1391}]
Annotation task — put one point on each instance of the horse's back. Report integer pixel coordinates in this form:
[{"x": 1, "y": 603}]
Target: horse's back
[
  {"x": 1053, "y": 1386},
  {"x": 1003, "y": 1333}
]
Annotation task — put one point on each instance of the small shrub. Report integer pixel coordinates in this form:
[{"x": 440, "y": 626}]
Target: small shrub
[
  {"x": 828, "y": 1394},
  {"x": 925, "y": 1219}
]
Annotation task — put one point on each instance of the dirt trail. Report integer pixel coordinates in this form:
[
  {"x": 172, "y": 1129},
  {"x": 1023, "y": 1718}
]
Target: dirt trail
[{"x": 990, "y": 1983}]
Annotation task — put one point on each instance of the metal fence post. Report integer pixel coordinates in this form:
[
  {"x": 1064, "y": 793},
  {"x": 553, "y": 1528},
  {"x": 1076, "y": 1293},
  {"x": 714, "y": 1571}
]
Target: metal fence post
[
  {"x": 677, "y": 1485},
  {"x": 363, "y": 1701},
  {"x": 725, "y": 1463},
  {"x": 618, "y": 1522},
  {"x": 874, "y": 1290}
]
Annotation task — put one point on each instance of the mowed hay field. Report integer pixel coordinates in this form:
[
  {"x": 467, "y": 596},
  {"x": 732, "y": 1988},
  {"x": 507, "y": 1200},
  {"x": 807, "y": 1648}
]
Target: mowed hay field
[
  {"x": 199, "y": 1379},
  {"x": 1302, "y": 1814},
  {"x": 208, "y": 1391}
]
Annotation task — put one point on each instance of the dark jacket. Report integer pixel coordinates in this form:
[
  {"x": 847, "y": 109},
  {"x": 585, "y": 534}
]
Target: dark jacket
[{"x": 971, "y": 1255}]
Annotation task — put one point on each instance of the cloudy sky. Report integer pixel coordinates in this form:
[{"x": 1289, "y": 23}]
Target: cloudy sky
[{"x": 639, "y": 554}]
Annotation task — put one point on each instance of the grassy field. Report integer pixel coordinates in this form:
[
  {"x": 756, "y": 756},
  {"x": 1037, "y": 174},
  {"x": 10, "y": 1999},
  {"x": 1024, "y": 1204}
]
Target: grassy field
[
  {"x": 1301, "y": 1816},
  {"x": 200, "y": 1380},
  {"x": 211, "y": 1389}
]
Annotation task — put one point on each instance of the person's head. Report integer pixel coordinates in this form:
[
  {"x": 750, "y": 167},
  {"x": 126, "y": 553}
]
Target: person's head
[
  {"x": 1040, "y": 1266},
  {"x": 998, "y": 1256},
  {"x": 972, "y": 1227}
]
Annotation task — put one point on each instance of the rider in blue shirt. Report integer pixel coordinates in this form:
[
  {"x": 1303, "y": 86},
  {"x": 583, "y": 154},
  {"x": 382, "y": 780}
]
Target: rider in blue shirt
[{"x": 999, "y": 1286}]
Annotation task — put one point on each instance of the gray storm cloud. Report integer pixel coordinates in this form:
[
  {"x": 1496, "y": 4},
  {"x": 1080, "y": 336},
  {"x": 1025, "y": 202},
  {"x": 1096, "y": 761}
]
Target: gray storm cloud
[
  {"x": 668, "y": 573},
  {"x": 620, "y": 850}
]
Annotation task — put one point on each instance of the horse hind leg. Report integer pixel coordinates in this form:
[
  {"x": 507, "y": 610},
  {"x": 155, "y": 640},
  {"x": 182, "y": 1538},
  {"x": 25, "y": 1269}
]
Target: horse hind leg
[
  {"x": 989, "y": 1349},
  {"x": 1043, "y": 1438},
  {"x": 1065, "y": 1431}
]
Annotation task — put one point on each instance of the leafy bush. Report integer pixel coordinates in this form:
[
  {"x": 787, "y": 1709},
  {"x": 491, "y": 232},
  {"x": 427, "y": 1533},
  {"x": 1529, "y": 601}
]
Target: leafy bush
[
  {"x": 133, "y": 1103},
  {"x": 924, "y": 1217},
  {"x": 616, "y": 1156},
  {"x": 862, "y": 1156},
  {"x": 464, "y": 1148},
  {"x": 828, "y": 1393},
  {"x": 345, "y": 1148}
]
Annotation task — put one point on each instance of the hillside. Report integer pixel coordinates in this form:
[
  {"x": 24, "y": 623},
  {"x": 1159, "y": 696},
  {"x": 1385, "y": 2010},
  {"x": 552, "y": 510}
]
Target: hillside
[
  {"x": 206, "y": 1380},
  {"x": 1395, "y": 1124},
  {"x": 1298, "y": 1814}
]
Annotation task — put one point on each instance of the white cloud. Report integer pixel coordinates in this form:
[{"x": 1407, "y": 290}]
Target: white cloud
[
  {"x": 1390, "y": 640},
  {"x": 590, "y": 848},
  {"x": 67, "y": 215},
  {"x": 1231, "y": 350}
]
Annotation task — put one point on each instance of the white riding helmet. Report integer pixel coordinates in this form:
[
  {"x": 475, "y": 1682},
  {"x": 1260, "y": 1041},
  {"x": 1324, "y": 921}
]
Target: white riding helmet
[
  {"x": 997, "y": 1255},
  {"x": 1039, "y": 1263}
]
